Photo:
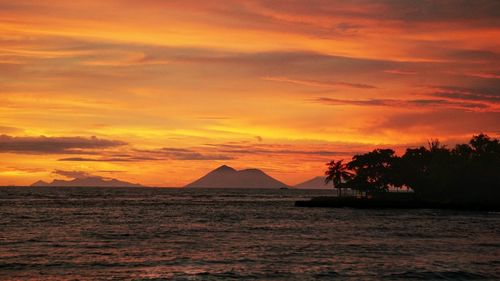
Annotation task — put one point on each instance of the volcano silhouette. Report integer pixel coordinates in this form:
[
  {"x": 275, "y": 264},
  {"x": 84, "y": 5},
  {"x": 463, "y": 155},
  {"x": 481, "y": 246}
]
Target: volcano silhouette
[{"x": 227, "y": 177}]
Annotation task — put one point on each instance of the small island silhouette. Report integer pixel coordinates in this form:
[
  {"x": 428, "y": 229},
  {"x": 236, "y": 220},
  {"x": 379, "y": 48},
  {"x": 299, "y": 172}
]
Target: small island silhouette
[
  {"x": 88, "y": 181},
  {"x": 314, "y": 183},
  {"x": 464, "y": 177}
]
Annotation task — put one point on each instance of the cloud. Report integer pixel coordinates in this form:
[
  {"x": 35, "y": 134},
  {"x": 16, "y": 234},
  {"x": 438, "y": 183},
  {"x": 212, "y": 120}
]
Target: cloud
[
  {"x": 72, "y": 174},
  {"x": 27, "y": 170},
  {"x": 486, "y": 11},
  {"x": 104, "y": 159},
  {"x": 82, "y": 174},
  {"x": 403, "y": 10},
  {"x": 316, "y": 83},
  {"x": 484, "y": 75},
  {"x": 8, "y": 129},
  {"x": 166, "y": 153},
  {"x": 326, "y": 19},
  {"x": 470, "y": 94},
  {"x": 55, "y": 145},
  {"x": 273, "y": 149},
  {"x": 471, "y": 55},
  {"x": 400, "y": 72},
  {"x": 411, "y": 103},
  {"x": 111, "y": 171},
  {"x": 234, "y": 69},
  {"x": 209, "y": 152},
  {"x": 184, "y": 154},
  {"x": 440, "y": 123}
]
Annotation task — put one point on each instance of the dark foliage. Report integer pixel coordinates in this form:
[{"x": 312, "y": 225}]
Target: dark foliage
[
  {"x": 373, "y": 170},
  {"x": 338, "y": 174},
  {"x": 467, "y": 173}
]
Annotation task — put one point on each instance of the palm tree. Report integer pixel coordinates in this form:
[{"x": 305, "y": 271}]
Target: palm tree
[{"x": 337, "y": 173}]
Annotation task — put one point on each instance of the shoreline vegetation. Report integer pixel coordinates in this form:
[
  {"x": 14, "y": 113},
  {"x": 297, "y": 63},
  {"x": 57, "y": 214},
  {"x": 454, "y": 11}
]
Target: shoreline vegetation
[{"x": 464, "y": 177}]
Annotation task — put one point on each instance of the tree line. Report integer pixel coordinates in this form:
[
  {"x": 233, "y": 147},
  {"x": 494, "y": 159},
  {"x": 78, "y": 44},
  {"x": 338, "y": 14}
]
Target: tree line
[{"x": 465, "y": 173}]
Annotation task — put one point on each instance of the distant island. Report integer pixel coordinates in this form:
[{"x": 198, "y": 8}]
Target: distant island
[
  {"x": 314, "y": 183},
  {"x": 464, "y": 177},
  {"x": 227, "y": 177},
  {"x": 91, "y": 181}
]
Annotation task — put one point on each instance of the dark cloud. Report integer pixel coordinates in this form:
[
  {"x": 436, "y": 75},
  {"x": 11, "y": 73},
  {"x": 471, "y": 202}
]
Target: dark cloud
[
  {"x": 311, "y": 67},
  {"x": 270, "y": 62},
  {"x": 298, "y": 59},
  {"x": 85, "y": 175},
  {"x": 487, "y": 11},
  {"x": 317, "y": 83},
  {"x": 184, "y": 154},
  {"x": 472, "y": 55},
  {"x": 346, "y": 18},
  {"x": 491, "y": 95},
  {"x": 448, "y": 51},
  {"x": 271, "y": 150},
  {"x": 485, "y": 75},
  {"x": 85, "y": 159},
  {"x": 199, "y": 156},
  {"x": 78, "y": 159},
  {"x": 400, "y": 72},
  {"x": 166, "y": 153},
  {"x": 24, "y": 169},
  {"x": 226, "y": 151},
  {"x": 483, "y": 11},
  {"x": 72, "y": 174},
  {"x": 440, "y": 123},
  {"x": 55, "y": 145},
  {"x": 414, "y": 103}
]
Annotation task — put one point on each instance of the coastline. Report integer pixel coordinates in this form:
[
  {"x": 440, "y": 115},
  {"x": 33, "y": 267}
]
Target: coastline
[{"x": 383, "y": 203}]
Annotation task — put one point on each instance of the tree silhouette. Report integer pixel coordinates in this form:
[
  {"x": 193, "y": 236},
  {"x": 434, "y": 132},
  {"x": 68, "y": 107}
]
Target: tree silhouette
[
  {"x": 373, "y": 171},
  {"x": 337, "y": 173},
  {"x": 467, "y": 173}
]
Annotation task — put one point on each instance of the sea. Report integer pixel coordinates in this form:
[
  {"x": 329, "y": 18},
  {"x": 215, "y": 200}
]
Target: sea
[{"x": 234, "y": 234}]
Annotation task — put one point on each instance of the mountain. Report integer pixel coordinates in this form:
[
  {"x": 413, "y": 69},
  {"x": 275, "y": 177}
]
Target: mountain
[
  {"x": 227, "y": 177},
  {"x": 314, "y": 183},
  {"x": 92, "y": 181},
  {"x": 41, "y": 183}
]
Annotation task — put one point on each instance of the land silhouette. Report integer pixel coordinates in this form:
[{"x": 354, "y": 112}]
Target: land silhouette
[
  {"x": 90, "y": 181},
  {"x": 467, "y": 176},
  {"x": 314, "y": 183},
  {"x": 227, "y": 177}
]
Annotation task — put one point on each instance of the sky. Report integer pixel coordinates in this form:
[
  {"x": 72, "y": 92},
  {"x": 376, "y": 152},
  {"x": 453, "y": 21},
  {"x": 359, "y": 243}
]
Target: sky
[{"x": 160, "y": 92}]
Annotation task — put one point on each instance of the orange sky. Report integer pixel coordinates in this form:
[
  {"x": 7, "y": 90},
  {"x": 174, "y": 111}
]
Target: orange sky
[{"x": 160, "y": 92}]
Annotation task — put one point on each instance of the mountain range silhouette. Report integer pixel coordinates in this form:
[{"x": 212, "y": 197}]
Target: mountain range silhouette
[{"x": 91, "y": 181}]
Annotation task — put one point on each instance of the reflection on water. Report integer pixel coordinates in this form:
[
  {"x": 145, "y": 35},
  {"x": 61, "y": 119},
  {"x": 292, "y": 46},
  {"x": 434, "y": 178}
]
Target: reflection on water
[{"x": 143, "y": 234}]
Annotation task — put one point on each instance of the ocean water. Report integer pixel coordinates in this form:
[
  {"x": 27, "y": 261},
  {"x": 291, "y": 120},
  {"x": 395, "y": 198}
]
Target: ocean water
[{"x": 174, "y": 234}]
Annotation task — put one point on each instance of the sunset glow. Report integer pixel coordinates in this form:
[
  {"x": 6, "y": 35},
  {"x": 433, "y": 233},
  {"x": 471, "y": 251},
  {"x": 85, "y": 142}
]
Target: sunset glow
[{"x": 161, "y": 92}]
